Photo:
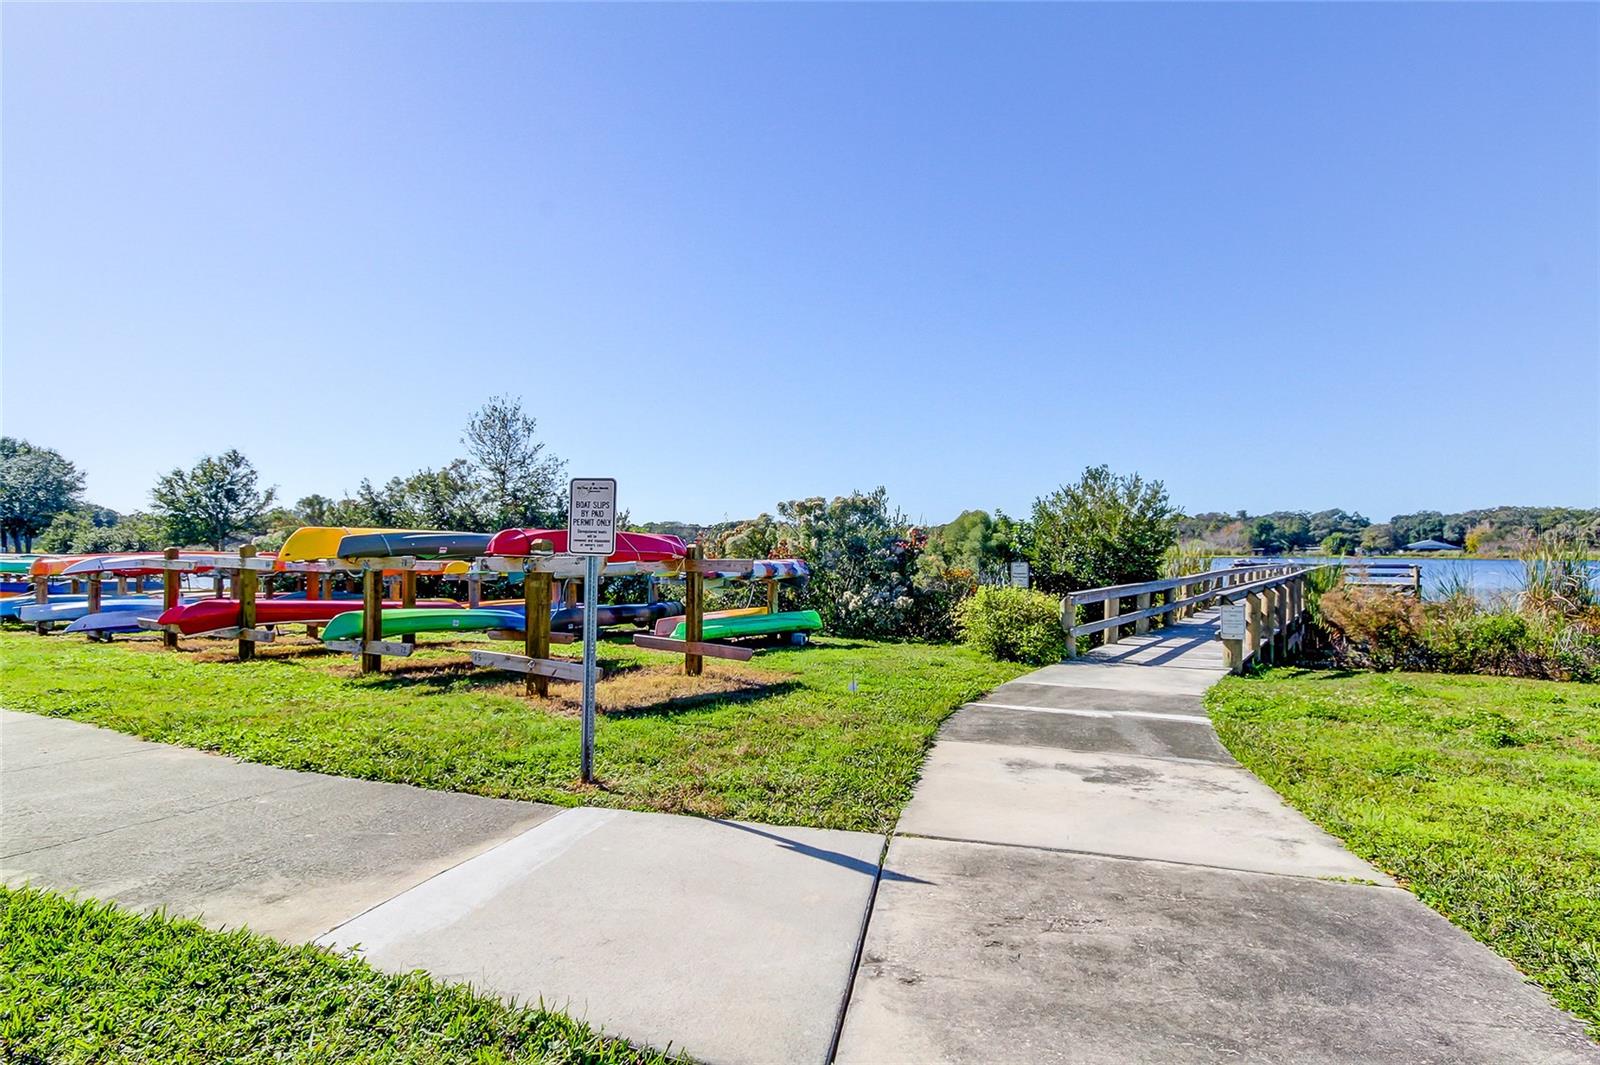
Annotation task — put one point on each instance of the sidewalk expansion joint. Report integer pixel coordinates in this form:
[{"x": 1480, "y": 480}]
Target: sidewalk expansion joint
[{"x": 861, "y": 946}]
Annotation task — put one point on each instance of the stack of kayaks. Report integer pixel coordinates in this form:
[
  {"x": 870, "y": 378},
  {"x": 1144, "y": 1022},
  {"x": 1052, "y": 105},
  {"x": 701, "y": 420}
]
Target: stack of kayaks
[
  {"x": 409, "y": 622},
  {"x": 208, "y": 615},
  {"x": 728, "y": 628}
]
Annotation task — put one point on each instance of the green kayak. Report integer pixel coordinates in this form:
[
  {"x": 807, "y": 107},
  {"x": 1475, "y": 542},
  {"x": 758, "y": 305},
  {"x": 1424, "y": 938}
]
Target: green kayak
[
  {"x": 403, "y": 622},
  {"x": 755, "y": 625}
]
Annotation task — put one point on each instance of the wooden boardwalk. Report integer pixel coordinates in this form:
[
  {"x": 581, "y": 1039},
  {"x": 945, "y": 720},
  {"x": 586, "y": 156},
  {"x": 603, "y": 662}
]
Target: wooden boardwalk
[{"x": 1085, "y": 874}]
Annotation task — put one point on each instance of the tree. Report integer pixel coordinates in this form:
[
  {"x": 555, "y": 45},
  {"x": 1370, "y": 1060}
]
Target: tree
[
  {"x": 1266, "y": 538},
  {"x": 1340, "y": 543},
  {"x": 1379, "y": 539},
  {"x": 93, "y": 530},
  {"x": 315, "y": 510},
  {"x": 1423, "y": 525},
  {"x": 524, "y": 485},
  {"x": 36, "y": 484},
  {"x": 213, "y": 501},
  {"x": 1101, "y": 530},
  {"x": 446, "y": 498},
  {"x": 973, "y": 547}
]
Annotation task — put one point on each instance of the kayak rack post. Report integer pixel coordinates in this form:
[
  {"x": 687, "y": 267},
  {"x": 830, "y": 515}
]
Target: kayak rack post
[
  {"x": 94, "y": 593},
  {"x": 408, "y": 598},
  {"x": 772, "y": 596},
  {"x": 536, "y": 589},
  {"x": 244, "y": 586},
  {"x": 693, "y": 611},
  {"x": 371, "y": 619},
  {"x": 169, "y": 596}
]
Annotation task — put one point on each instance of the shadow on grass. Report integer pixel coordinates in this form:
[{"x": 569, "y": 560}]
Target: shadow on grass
[{"x": 678, "y": 704}]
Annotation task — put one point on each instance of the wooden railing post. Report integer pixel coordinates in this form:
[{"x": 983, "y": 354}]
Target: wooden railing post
[
  {"x": 1111, "y": 633},
  {"x": 371, "y": 618},
  {"x": 169, "y": 596},
  {"x": 1252, "y": 629},
  {"x": 1234, "y": 649},
  {"x": 1069, "y": 619},
  {"x": 1141, "y": 602},
  {"x": 694, "y": 611},
  {"x": 244, "y": 586}
]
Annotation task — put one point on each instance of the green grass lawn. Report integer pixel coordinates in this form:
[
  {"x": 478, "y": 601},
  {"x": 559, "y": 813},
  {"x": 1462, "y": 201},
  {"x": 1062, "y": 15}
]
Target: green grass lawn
[
  {"x": 782, "y": 739},
  {"x": 1481, "y": 794},
  {"x": 88, "y": 982}
]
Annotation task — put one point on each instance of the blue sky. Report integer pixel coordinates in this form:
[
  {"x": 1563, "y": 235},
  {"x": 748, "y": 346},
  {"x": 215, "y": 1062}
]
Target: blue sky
[{"x": 1278, "y": 256}]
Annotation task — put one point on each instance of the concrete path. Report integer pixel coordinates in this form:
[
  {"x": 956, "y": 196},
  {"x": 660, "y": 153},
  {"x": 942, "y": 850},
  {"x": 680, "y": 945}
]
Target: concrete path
[
  {"x": 1086, "y": 875},
  {"x": 732, "y": 941}
]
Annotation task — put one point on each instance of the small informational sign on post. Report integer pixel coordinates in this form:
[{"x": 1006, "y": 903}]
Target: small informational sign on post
[
  {"x": 1232, "y": 618},
  {"x": 591, "y": 531},
  {"x": 1020, "y": 575},
  {"x": 592, "y": 516}
]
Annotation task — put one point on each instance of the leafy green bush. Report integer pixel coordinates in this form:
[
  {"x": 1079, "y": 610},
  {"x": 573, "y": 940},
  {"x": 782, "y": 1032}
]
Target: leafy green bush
[
  {"x": 1013, "y": 624},
  {"x": 1502, "y": 644}
]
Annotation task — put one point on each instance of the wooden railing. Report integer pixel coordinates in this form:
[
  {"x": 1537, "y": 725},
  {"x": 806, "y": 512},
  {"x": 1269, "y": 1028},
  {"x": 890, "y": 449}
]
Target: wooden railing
[
  {"x": 1405, "y": 576},
  {"x": 1179, "y": 597},
  {"x": 1265, "y": 620}
]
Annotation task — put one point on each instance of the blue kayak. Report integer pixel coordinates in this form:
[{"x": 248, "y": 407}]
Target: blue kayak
[
  {"x": 115, "y": 620},
  {"x": 70, "y": 611}
]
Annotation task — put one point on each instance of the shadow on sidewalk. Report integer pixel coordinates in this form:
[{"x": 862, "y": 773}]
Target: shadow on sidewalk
[{"x": 844, "y": 861}]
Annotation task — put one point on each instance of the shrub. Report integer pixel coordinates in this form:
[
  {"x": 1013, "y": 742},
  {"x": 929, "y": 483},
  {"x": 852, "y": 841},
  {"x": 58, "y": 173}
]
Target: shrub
[
  {"x": 1500, "y": 644},
  {"x": 1374, "y": 627},
  {"x": 1014, "y": 624}
]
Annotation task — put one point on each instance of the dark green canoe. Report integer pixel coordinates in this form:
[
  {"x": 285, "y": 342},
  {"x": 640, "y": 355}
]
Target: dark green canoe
[
  {"x": 405, "y": 622},
  {"x": 755, "y": 625}
]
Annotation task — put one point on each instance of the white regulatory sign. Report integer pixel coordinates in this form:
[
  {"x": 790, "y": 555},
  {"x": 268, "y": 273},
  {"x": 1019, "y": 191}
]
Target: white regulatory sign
[
  {"x": 592, "y": 516},
  {"x": 1019, "y": 575},
  {"x": 1233, "y": 621}
]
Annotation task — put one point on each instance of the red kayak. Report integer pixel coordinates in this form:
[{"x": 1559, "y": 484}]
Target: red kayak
[
  {"x": 631, "y": 546},
  {"x": 209, "y": 614}
]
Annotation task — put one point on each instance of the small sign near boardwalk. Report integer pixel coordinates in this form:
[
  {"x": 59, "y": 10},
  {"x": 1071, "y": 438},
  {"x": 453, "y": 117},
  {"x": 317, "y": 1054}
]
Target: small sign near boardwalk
[
  {"x": 1020, "y": 577},
  {"x": 592, "y": 516},
  {"x": 1232, "y": 618}
]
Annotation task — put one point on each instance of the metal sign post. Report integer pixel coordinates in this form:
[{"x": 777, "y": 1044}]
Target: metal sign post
[{"x": 591, "y": 531}]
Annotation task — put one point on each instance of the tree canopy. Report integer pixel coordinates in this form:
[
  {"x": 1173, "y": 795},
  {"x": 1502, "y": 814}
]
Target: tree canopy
[
  {"x": 212, "y": 501},
  {"x": 36, "y": 485},
  {"x": 1102, "y": 529}
]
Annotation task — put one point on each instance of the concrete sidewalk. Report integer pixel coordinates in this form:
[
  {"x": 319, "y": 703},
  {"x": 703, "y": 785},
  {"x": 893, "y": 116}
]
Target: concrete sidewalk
[
  {"x": 732, "y": 941},
  {"x": 1086, "y": 875}
]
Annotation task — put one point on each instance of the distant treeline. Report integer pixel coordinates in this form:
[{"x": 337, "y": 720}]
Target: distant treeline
[{"x": 1489, "y": 530}]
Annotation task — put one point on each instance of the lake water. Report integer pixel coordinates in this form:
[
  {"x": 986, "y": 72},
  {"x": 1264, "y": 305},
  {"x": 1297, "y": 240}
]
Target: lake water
[{"x": 1489, "y": 578}]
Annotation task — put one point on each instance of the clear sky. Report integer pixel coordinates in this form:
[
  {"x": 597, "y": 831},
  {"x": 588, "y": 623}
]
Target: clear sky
[{"x": 1278, "y": 256}]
